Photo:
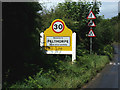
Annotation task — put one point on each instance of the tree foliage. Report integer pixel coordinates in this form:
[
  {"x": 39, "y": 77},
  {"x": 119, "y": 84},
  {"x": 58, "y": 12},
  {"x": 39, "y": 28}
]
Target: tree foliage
[
  {"x": 20, "y": 37},
  {"x": 75, "y": 16}
]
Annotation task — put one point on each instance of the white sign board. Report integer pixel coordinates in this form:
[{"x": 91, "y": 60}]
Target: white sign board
[
  {"x": 58, "y": 41},
  {"x": 73, "y": 52}
]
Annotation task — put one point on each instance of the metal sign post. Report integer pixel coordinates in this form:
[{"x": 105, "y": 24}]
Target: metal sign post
[
  {"x": 91, "y": 34},
  {"x": 91, "y": 24},
  {"x": 90, "y": 45}
]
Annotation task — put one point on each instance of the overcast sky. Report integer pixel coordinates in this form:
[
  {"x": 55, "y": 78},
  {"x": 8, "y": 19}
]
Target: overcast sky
[
  {"x": 78, "y": 0},
  {"x": 109, "y": 8}
]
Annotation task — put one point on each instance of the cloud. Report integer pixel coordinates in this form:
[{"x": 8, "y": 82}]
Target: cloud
[
  {"x": 49, "y": 1},
  {"x": 109, "y": 0},
  {"x": 109, "y": 9}
]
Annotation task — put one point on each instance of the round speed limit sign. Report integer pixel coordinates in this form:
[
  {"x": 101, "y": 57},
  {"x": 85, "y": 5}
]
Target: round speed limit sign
[{"x": 58, "y": 26}]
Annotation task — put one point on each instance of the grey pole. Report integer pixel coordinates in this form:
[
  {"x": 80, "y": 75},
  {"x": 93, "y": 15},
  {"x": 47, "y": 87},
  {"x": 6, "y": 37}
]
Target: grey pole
[{"x": 90, "y": 43}]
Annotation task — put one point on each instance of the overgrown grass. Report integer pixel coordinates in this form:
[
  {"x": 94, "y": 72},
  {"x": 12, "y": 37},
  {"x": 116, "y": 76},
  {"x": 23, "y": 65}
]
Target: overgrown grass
[{"x": 67, "y": 75}]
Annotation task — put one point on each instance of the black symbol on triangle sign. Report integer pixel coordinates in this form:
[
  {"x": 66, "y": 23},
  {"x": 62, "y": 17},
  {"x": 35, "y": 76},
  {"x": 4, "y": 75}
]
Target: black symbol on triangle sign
[
  {"x": 91, "y": 15},
  {"x": 91, "y": 24},
  {"x": 91, "y": 33}
]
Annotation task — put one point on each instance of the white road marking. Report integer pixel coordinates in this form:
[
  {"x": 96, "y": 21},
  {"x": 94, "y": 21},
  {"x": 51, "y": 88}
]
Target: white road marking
[
  {"x": 110, "y": 63},
  {"x": 113, "y": 63}
]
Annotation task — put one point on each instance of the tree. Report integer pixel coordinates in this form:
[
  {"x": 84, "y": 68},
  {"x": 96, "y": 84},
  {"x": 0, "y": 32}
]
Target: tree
[
  {"x": 20, "y": 37},
  {"x": 104, "y": 34},
  {"x": 75, "y": 16}
]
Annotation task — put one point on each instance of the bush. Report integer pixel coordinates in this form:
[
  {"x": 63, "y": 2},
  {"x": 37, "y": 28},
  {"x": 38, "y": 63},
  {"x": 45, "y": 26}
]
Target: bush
[
  {"x": 67, "y": 75},
  {"x": 107, "y": 50},
  {"x": 81, "y": 50}
]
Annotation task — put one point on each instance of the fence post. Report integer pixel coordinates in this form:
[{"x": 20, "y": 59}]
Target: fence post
[
  {"x": 73, "y": 47},
  {"x": 41, "y": 39}
]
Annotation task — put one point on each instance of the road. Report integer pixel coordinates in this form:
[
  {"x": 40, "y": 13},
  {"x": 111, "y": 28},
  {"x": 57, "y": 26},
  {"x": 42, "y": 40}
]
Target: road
[{"x": 109, "y": 77}]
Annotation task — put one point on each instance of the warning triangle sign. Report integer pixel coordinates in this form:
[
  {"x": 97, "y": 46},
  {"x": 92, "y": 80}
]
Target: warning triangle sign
[
  {"x": 91, "y": 24},
  {"x": 91, "y": 33},
  {"x": 91, "y": 15}
]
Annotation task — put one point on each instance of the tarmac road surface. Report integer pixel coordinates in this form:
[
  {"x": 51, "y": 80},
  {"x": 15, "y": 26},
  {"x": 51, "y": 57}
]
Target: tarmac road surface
[{"x": 109, "y": 77}]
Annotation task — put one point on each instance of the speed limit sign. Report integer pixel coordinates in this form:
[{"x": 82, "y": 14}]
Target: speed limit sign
[
  {"x": 58, "y": 26},
  {"x": 59, "y": 38}
]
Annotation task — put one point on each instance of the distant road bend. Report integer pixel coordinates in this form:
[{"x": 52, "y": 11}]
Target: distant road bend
[{"x": 109, "y": 77}]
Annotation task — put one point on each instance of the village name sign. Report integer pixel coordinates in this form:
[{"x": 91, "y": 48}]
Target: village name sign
[{"x": 59, "y": 39}]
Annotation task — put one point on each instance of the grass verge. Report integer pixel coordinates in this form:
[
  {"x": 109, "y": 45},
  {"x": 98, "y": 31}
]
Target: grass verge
[{"x": 66, "y": 75}]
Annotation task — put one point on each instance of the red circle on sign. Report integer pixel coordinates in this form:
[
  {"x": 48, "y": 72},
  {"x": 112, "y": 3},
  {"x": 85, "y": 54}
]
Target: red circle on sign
[{"x": 60, "y": 22}]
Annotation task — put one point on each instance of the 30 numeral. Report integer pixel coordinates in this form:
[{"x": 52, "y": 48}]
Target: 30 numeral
[{"x": 58, "y": 26}]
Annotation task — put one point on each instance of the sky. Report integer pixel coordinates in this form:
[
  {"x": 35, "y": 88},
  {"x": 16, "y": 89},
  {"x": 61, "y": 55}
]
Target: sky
[
  {"x": 78, "y": 0},
  {"x": 109, "y": 8}
]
